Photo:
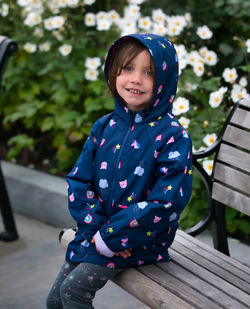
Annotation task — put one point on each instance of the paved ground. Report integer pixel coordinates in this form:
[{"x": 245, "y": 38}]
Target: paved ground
[{"x": 29, "y": 265}]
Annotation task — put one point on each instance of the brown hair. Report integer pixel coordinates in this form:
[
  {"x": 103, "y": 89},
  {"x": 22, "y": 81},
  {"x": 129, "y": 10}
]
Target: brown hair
[{"x": 123, "y": 55}]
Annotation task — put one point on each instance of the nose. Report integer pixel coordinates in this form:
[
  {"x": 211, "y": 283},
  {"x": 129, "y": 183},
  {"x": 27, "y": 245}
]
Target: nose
[{"x": 136, "y": 77}]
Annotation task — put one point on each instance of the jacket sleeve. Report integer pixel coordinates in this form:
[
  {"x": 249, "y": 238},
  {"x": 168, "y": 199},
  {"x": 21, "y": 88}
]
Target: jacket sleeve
[
  {"x": 83, "y": 202},
  {"x": 140, "y": 223}
]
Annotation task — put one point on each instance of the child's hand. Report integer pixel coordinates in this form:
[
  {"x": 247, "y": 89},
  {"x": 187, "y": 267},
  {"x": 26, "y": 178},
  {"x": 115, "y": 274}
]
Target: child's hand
[
  {"x": 93, "y": 242},
  {"x": 125, "y": 254}
]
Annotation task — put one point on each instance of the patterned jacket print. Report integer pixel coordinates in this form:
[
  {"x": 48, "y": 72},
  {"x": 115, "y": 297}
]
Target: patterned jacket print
[{"x": 134, "y": 175}]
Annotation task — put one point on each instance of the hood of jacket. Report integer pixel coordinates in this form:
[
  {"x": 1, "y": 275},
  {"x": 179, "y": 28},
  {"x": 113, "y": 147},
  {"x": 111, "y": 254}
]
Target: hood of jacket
[{"x": 166, "y": 66}]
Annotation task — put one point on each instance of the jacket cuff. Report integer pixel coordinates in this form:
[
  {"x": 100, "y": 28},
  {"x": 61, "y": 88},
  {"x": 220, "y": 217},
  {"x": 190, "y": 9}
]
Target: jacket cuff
[{"x": 101, "y": 246}]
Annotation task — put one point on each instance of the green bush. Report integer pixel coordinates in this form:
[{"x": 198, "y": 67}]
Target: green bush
[{"x": 54, "y": 88}]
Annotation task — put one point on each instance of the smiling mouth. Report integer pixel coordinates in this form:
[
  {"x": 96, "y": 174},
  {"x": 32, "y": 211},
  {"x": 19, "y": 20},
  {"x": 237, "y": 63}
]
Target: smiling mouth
[{"x": 135, "y": 91}]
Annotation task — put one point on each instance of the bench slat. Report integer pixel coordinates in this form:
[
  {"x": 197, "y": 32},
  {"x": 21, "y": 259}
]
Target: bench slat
[
  {"x": 232, "y": 177},
  {"x": 234, "y": 157},
  {"x": 211, "y": 273},
  {"x": 214, "y": 260},
  {"x": 149, "y": 292},
  {"x": 218, "y": 296},
  {"x": 237, "y": 137},
  {"x": 245, "y": 102},
  {"x": 219, "y": 283},
  {"x": 231, "y": 198},
  {"x": 168, "y": 280},
  {"x": 241, "y": 117}
]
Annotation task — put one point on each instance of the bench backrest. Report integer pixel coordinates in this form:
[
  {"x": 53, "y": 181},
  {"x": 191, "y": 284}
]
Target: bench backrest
[
  {"x": 231, "y": 173},
  {"x": 7, "y": 48}
]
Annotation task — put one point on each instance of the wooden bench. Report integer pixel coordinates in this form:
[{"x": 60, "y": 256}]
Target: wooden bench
[
  {"x": 7, "y": 48},
  {"x": 200, "y": 276}
]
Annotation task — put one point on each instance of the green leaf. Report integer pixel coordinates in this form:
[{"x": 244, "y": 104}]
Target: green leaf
[
  {"x": 47, "y": 124},
  {"x": 60, "y": 96},
  {"x": 19, "y": 142},
  {"x": 245, "y": 68},
  {"x": 225, "y": 49},
  {"x": 244, "y": 226},
  {"x": 230, "y": 213},
  {"x": 92, "y": 105}
]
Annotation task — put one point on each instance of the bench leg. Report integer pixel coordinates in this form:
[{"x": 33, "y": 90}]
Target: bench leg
[
  {"x": 219, "y": 229},
  {"x": 10, "y": 232}
]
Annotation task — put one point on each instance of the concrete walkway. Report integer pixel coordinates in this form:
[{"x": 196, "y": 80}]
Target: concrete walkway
[{"x": 29, "y": 266}]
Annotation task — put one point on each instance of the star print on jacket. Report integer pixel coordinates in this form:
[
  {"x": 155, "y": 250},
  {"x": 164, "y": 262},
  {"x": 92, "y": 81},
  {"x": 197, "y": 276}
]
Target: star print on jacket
[{"x": 134, "y": 176}]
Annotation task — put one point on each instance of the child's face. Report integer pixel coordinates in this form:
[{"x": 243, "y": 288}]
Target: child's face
[{"x": 135, "y": 84}]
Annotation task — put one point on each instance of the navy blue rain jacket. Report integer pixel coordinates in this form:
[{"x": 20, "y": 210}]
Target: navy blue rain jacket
[{"x": 134, "y": 175}]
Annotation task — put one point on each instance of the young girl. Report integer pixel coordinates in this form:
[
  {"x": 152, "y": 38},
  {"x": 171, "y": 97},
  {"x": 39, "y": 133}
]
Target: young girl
[{"x": 133, "y": 177}]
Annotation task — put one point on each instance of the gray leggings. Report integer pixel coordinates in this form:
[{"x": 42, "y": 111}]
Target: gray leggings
[{"x": 76, "y": 285}]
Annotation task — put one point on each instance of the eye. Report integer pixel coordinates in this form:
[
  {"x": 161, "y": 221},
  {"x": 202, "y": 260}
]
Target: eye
[
  {"x": 149, "y": 73},
  {"x": 127, "y": 68}
]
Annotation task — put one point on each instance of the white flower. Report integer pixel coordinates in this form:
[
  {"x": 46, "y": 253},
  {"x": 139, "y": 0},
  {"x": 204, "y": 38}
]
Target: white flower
[
  {"x": 62, "y": 3},
  {"x": 58, "y": 22},
  {"x": 93, "y": 63},
  {"x": 194, "y": 57},
  {"x": 90, "y": 19},
  {"x": 180, "y": 106},
  {"x": 91, "y": 74},
  {"x": 179, "y": 21},
  {"x": 159, "y": 29},
  {"x": 38, "y": 32},
  {"x": 180, "y": 50},
  {"x": 29, "y": 47},
  {"x": 158, "y": 16},
  {"x": 238, "y": 93},
  {"x": 35, "y": 6},
  {"x": 211, "y": 58},
  {"x": 53, "y": 7},
  {"x": 184, "y": 122},
  {"x": 58, "y": 35},
  {"x": 113, "y": 16},
  {"x": 243, "y": 81},
  {"x": 73, "y": 3},
  {"x": 203, "y": 51},
  {"x": 204, "y": 33},
  {"x": 145, "y": 23},
  {"x": 48, "y": 23},
  {"x": 32, "y": 19},
  {"x": 208, "y": 166},
  {"x": 101, "y": 15},
  {"x": 216, "y": 97},
  {"x": 132, "y": 11},
  {"x": 103, "y": 24},
  {"x": 65, "y": 49},
  {"x": 190, "y": 87},
  {"x": 182, "y": 65},
  {"x": 23, "y": 2},
  {"x": 173, "y": 27},
  {"x": 45, "y": 46},
  {"x": 188, "y": 18},
  {"x": 230, "y": 75},
  {"x": 4, "y": 10},
  {"x": 209, "y": 139},
  {"x": 129, "y": 29},
  {"x": 136, "y": 1},
  {"x": 89, "y": 2},
  {"x": 198, "y": 68},
  {"x": 248, "y": 45}
]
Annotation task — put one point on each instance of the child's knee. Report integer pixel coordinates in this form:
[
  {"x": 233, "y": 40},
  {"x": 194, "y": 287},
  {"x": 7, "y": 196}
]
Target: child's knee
[{"x": 53, "y": 302}]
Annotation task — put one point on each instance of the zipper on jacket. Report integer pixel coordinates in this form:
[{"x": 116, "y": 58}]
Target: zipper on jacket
[{"x": 117, "y": 164}]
